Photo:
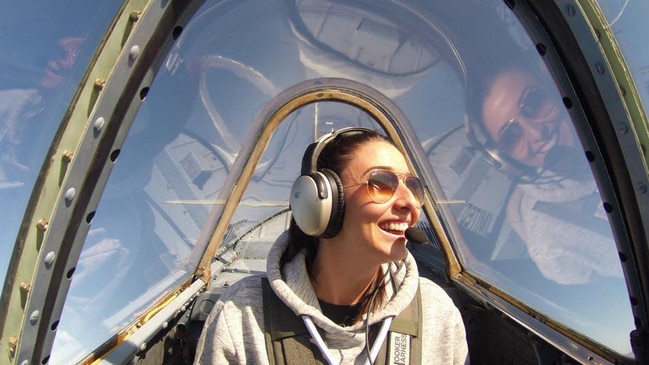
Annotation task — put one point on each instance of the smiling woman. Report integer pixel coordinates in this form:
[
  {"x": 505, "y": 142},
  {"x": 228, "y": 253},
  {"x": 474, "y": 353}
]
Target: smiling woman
[
  {"x": 552, "y": 211},
  {"x": 140, "y": 182},
  {"x": 528, "y": 128},
  {"x": 349, "y": 278}
]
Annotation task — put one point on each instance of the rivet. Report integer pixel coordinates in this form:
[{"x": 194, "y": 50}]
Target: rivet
[
  {"x": 143, "y": 347},
  {"x": 67, "y": 156},
  {"x": 99, "y": 83},
  {"x": 42, "y": 225},
  {"x": 623, "y": 128},
  {"x": 49, "y": 259},
  {"x": 25, "y": 362},
  {"x": 599, "y": 68},
  {"x": 13, "y": 342},
  {"x": 69, "y": 196},
  {"x": 570, "y": 9},
  {"x": 34, "y": 317},
  {"x": 135, "y": 15},
  {"x": 24, "y": 287},
  {"x": 623, "y": 91},
  {"x": 134, "y": 52},
  {"x": 642, "y": 187},
  {"x": 99, "y": 124}
]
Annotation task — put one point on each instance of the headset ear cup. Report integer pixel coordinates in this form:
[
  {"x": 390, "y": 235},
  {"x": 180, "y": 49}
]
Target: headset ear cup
[
  {"x": 317, "y": 200},
  {"x": 337, "y": 204},
  {"x": 478, "y": 138},
  {"x": 311, "y": 203},
  {"x": 501, "y": 163}
]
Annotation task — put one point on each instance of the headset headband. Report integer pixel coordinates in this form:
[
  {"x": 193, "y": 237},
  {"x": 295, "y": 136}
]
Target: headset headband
[{"x": 312, "y": 153}]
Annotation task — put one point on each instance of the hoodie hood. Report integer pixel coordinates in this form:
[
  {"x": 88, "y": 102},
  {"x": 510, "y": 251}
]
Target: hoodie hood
[
  {"x": 293, "y": 287},
  {"x": 553, "y": 188}
]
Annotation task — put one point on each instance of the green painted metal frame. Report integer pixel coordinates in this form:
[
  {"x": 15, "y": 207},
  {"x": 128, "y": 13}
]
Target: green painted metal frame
[{"x": 31, "y": 261}]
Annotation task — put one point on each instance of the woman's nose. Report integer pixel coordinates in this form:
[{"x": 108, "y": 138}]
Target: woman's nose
[
  {"x": 406, "y": 198},
  {"x": 535, "y": 132}
]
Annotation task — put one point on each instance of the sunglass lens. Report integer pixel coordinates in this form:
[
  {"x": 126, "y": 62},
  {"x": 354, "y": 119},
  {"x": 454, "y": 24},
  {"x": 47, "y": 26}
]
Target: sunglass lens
[
  {"x": 510, "y": 136},
  {"x": 535, "y": 104},
  {"x": 381, "y": 185},
  {"x": 416, "y": 187}
]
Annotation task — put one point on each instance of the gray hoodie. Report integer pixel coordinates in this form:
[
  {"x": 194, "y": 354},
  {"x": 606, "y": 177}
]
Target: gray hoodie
[
  {"x": 565, "y": 251},
  {"x": 234, "y": 332}
]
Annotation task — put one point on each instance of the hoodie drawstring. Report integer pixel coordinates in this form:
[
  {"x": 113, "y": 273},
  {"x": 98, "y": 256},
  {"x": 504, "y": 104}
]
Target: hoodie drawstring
[{"x": 376, "y": 347}]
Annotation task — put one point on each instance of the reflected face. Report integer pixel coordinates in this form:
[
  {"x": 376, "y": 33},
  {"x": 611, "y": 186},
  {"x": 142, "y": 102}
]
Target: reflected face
[
  {"x": 376, "y": 230},
  {"x": 524, "y": 119},
  {"x": 58, "y": 67}
]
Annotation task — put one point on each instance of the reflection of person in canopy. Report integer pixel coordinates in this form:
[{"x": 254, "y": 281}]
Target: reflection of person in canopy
[
  {"x": 345, "y": 279},
  {"x": 555, "y": 206},
  {"x": 18, "y": 106}
]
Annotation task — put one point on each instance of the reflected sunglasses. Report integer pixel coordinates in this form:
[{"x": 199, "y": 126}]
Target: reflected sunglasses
[
  {"x": 534, "y": 104},
  {"x": 382, "y": 185}
]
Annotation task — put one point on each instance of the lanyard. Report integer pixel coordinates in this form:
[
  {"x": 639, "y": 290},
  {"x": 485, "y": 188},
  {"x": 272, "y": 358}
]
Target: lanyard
[{"x": 380, "y": 338}]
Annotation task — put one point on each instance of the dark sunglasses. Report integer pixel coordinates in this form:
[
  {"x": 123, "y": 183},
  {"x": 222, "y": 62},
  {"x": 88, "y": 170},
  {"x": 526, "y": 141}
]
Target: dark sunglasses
[
  {"x": 382, "y": 185},
  {"x": 534, "y": 104}
]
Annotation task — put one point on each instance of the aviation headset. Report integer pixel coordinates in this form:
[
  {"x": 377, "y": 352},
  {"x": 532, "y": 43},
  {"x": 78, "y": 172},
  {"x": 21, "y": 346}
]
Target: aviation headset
[
  {"x": 480, "y": 140},
  {"x": 317, "y": 200}
]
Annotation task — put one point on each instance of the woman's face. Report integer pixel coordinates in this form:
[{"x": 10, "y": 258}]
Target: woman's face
[
  {"x": 60, "y": 65},
  {"x": 524, "y": 118},
  {"x": 370, "y": 230}
]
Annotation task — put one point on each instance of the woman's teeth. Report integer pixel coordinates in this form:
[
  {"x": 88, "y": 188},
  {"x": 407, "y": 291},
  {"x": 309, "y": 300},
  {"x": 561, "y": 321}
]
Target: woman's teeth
[
  {"x": 549, "y": 144},
  {"x": 394, "y": 227}
]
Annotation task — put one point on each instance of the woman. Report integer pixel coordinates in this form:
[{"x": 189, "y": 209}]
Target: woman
[
  {"x": 349, "y": 283},
  {"x": 556, "y": 207},
  {"x": 527, "y": 122}
]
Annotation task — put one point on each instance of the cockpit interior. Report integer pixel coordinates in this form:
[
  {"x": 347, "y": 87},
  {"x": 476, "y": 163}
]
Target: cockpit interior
[{"x": 172, "y": 144}]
